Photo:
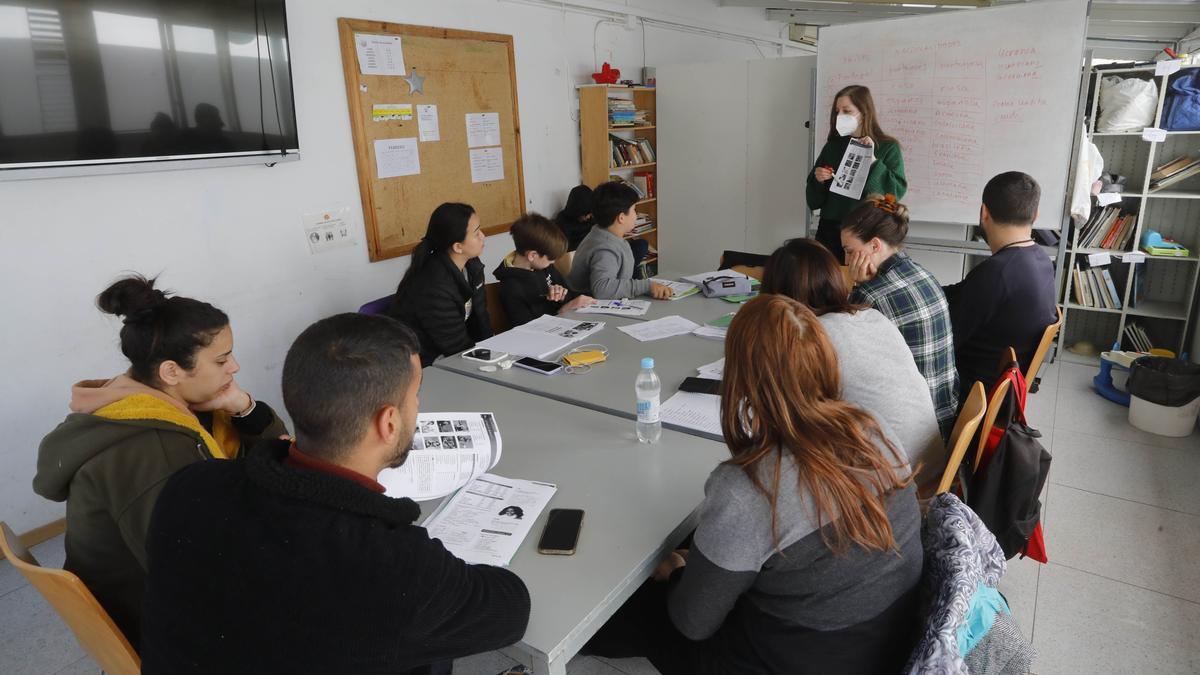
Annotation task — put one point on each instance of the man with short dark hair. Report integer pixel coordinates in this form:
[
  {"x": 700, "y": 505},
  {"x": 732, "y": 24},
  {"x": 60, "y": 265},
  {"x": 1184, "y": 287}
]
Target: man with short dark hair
[
  {"x": 293, "y": 559},
  {"x": 1008, "y": 299}
]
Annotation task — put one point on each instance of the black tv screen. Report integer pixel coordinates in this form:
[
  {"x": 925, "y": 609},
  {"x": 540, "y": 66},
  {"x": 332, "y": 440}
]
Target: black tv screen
[{"x": 125, "y": 81}]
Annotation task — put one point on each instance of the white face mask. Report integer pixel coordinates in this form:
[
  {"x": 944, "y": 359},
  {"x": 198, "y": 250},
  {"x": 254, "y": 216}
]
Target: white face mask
[{"x": 846, "y": 124}]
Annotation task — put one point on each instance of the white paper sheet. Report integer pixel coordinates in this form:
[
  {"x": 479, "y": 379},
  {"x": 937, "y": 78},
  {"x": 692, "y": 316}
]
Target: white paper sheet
[
  {"x": 679, "y": 289},
  {"x": 1154, "y": 135},
  {"x": 851, "y": 176},
  {"x": 713, "y": 371},
  {"x": 617, "y": 307},
  {"x": 711, "y": 332},
  {"x": 427, "y": 123},
  {"x": 1107, "y": 198},
  {"x": 397, "y": 157},
  {"x": 658, "y": 329},
  {"x": 379, "y": 54},
  {"x": 1167, "y": 67},
  {"x": 483, "y": 129},
  {"x": 448, "y": 450},
  {"x": 698, "y": 279},
  {"x": 487, "y": 165},
  {"x": 485, "y": 523},
  {"x": 701, "y": 412}
]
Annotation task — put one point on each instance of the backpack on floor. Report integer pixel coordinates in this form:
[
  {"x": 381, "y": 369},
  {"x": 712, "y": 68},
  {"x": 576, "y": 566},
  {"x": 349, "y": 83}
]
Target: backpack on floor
[{"x": 1006, "y": 487}]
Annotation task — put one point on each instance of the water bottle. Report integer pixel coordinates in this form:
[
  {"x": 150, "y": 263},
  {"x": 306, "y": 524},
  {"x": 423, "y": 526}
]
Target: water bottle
[{"x": 647, "y": 386}]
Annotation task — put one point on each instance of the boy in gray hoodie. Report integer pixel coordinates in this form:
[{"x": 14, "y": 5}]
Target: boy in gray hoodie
[{"x": 603, "y": 262}]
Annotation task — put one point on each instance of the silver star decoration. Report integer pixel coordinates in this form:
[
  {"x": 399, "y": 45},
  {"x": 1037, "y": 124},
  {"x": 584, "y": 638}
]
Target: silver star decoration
[{"x": 416, "y": 83}]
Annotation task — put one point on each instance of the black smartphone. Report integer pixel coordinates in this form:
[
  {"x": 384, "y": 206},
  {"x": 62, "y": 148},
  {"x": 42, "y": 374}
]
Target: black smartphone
[
  {"x": 562, "y": 532},
  {"x": 538, "y": 366}
]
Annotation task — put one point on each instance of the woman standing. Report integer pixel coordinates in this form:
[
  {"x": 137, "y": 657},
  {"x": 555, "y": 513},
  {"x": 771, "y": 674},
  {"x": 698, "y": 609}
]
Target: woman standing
[{"x": 853, "y": 116}]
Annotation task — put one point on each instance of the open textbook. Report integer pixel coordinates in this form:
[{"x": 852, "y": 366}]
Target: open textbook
[
  {"x": 448, "y": 451},
  {"x": 541, "y": 337},
  {"x": 488, "y": 519}
]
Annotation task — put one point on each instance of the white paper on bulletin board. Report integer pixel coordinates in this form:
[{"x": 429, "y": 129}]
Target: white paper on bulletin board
[{"x": 969, "y": 94}]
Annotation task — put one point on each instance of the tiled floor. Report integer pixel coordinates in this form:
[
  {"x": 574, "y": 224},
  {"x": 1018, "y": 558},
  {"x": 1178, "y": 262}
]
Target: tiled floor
[{"x": 1120, "y": 595}]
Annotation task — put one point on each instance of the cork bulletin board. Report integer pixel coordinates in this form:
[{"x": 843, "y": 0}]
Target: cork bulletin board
[{"x": 403, "y": 172}]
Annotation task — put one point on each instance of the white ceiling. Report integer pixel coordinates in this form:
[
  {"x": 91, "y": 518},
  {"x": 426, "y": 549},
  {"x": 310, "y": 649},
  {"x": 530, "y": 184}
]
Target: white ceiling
[{"x": 1132, "y": 23}]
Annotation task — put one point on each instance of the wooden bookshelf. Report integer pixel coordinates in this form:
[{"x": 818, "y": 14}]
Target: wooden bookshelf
[
  {"x": 1169, "y": 283},
  {"x": 594, "y": 151}
]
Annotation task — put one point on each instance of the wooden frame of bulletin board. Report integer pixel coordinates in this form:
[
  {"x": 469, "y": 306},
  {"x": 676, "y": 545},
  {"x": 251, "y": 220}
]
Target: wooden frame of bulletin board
[{"x": 465, "y": 73}]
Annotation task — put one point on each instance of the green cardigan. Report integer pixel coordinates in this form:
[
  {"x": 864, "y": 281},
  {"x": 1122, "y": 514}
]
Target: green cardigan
[{"x": 886, "y": 177}]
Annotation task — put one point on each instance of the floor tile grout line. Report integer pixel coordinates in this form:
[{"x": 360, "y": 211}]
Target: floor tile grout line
[
  {"x": 1124, "y": 499},
  {"x": 1126, "y": 583}
]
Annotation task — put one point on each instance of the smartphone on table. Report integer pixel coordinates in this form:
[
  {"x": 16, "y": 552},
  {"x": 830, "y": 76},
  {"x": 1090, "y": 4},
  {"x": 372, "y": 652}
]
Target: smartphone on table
[
  {"x": 538, "y": 366},
  {"x": 562, "y": 532},
  {"x": 484, "y": 355}
]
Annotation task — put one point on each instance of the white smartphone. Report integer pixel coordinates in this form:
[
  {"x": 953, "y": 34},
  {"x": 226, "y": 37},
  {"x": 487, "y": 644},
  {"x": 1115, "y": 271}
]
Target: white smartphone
[
  {"x": 543, "y": 367},
  {"x": 484, "y": 356}
]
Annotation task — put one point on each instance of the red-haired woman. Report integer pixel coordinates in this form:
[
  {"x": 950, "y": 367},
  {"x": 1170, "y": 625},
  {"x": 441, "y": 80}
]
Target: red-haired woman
[{"x": 807, "y": 555}]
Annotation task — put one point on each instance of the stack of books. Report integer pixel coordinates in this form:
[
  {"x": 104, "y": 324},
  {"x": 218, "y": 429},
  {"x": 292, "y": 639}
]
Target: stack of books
[
  {"x": 621, "y": 113},
  {"x": 1108, "y": 228},
  {"x": 627, "y": 152},
  {"x": 1174, "y": 171},
  {"x": 642, "y": 226},
  {"x": 1094, "y": 287}
]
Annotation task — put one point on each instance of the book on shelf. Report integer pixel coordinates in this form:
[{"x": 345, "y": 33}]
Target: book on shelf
[
  {"x": 1138, "y": 293},
  {"x": 629, "y": 153},
  {"x": 1174, "y": 171},
  {"x": 1138, "y": 337},
  {"x": 1094, "y": 287},
  {"x": 644, "y": 182},
  {"x": 1108, "y": 228}
]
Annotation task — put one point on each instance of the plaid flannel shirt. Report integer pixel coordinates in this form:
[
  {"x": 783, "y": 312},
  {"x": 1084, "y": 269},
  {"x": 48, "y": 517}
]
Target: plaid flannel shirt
[{"x": 911, "y": 298}]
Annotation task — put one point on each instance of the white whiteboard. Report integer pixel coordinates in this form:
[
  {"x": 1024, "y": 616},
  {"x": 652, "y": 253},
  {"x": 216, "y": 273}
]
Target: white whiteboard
[{"x": 969, "y": 94}]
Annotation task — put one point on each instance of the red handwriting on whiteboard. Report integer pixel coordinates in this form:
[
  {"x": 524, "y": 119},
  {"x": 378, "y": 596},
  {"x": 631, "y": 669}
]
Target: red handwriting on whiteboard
[{"x": 1020, "y": 51}]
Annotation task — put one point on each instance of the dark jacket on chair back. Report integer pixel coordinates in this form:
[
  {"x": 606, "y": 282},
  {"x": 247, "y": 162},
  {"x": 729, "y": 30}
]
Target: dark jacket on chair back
[
  {"x": 267, "y": 565},
  {"x": 435, "y": 306}
]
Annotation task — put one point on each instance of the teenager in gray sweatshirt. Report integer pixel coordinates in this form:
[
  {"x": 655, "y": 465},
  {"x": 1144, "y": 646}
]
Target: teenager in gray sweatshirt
[
  {"x": 807, "y": 555},
  {"x": 603, "y": 264}
]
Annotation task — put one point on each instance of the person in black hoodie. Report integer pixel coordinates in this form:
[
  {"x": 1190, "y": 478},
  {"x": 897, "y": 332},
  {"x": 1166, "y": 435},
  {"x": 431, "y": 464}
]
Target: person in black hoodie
[
  {"x": 575, "y": 219},
  {"x": 530, "y": 285},
  {"x": 295, "y": 561},
  {"x": 441, "y": 296}
]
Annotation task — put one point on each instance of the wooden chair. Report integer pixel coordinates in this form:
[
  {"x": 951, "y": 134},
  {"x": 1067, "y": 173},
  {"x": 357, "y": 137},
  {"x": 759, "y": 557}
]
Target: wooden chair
[
  {"x": 752, "y": 272},
  {"x": 1039, "y": 356},
  {"x": 495, "y": 308},
  {"x": 989, "y": 419},
  {"x": 93, "y": 627},
  {"x": 964, "y": 430}
]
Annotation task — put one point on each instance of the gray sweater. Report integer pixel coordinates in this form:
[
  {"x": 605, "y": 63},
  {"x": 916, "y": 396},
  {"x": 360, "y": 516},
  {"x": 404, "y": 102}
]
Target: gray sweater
[
  {"x": 758, "y": 597},
  {"x": 880, "y": 376},
  {"x": 603, "y": 265}
]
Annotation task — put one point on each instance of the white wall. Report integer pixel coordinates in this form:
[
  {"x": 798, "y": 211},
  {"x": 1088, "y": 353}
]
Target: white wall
[{"x": 232, "y": 236}]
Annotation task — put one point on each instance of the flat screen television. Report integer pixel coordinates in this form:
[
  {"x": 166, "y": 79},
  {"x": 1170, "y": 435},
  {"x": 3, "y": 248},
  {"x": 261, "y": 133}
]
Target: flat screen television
[{"x": 100, "y": 86}]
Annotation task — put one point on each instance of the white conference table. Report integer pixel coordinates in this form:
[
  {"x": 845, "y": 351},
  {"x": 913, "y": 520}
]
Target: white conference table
[
  {"x": 608, "y": 386},
  {"x": 639, "y": 502}
]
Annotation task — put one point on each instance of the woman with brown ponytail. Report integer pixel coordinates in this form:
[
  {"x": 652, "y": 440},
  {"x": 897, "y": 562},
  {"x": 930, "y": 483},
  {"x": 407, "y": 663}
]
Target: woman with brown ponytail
[{"x": 807, "y": 555}]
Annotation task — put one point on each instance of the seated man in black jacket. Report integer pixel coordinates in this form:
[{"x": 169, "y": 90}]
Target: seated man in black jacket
[
  {"x": 1008, "y": 299},
  {"x": 530, "y": 285},
  {"x": 293, "y": 560}
]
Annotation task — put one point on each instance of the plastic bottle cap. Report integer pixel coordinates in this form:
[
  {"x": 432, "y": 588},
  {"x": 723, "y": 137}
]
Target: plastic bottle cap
[{"x": 647, "y": 363}]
